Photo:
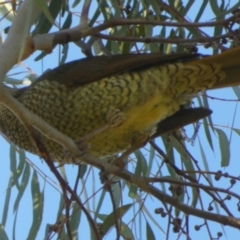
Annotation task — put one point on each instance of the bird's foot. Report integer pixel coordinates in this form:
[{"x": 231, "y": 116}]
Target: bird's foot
[
  {"x": 115, "y": 117},
  {"x": 83, "y": 147},
  {"x": 92, "y": 134},
  {"x": 138, "y": 141}
]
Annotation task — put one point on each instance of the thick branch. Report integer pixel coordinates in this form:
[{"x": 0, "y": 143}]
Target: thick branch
[{"x": 14, "y": 46}]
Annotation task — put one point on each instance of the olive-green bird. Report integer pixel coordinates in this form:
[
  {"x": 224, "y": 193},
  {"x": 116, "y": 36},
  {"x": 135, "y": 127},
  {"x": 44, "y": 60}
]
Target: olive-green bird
[{"x": 127, "y": 95}]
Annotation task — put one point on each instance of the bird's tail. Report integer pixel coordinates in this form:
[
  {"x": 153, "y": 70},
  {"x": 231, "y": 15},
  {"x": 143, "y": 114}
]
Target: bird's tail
[{"x": 230, "y": 66}]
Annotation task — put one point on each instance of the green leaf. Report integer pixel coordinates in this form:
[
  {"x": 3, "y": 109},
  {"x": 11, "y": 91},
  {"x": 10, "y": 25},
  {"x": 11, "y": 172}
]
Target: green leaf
[
  {"x": 110, "y": 220},
  {"x": 136, "y": 12},
  {"x": 132, "y": 191},
  {"x": 40, "y": 56},
  {"x": 43, "y": 6},
  {"x": 156, "y": 7},
  {"x": 236, "y": 90},
  {"x": 205, "y": 162},
  {"x": 116, "y": 192},
  {"x": 64, "y": 54},
  {"x": 224, "y": 147},
  {"x": 205, "y": 104},
  {"x": 187, "y": 8},
  {"x": 13, "y": 165},
  {"x": 6, "y": 11},
  {"x": 141, "y": 168},
  {"x": 83, "y": 170},
  {"x": 99, "y": 205},
  {"x": 201, "y": 10},
  {"x": 23, "y": 185},
  {"x": 217, "y": 32},
  {"x": 149, "y": 232},
  {"x": 68, "y": 22},
  {"x": 126, "y": 232},
  {"x": 14, "y": 225},
  {"x": 75, "y": 3},
  {"x": 180, "y": 197},
  {"x": 6, "y": 202},
  {"x": 37, "y": 201},
  {"x": 60, "y": 207},
  {"x": 150, "y": 161},
  {"x": 46, "y": 21},
  {"x": 105, "y": 10},
  {"x": 214, "y": 5},
  {"x": 184, "y": 157},
  {"x": 63, "y": 173},
  {"x": 205, "y": 123},
  {"x": 75, "y": 220},
  {"x": 236, "y": 130},
  {"x": 22, "y": 162},
  {"x": 63, "y": 234},
  {"x": 207, "y": 132},
  {"x": 169, "y": 149},
  {"x": 95, "y": 17},
  {"x": 3, "y": 235}
]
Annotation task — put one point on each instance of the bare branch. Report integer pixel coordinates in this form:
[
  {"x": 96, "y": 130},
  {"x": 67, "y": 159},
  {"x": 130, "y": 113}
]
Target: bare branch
[
  {"x": 48, "y": 41},
  {"x": 161, "y": 196},
  {"x": 126, "y": 22},
  {"x": 162, "y": 40},
  {"x": 17, "y": 45}
]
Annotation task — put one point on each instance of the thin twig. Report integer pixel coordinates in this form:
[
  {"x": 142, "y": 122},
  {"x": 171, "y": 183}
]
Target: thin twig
[
  {"x": 207, "y": 189},
  {"x": 161, "y": 40},
  {"x": 142, "y": 183},
  {"x": 49, "y": 41},
  {"x": 109, "y": 189},
  {"x": 44, "y": 154},
  {"x": 123, "y": 22}
]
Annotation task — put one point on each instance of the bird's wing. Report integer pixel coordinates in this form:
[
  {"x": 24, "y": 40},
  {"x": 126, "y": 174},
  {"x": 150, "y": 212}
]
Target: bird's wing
[{"x": 92, "y": 69}]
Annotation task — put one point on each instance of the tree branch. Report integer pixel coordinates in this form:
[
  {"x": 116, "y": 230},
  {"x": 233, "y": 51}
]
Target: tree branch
[
  {"x": 47, "y": 42},
  {"x": 161, "y": 196}
]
